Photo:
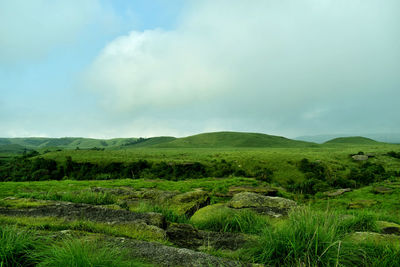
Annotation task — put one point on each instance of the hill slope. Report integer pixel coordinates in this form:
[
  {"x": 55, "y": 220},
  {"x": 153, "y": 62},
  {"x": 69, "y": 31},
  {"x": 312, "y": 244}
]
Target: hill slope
[
  {"x": 66, "y": 142},
  {"x": 353, "y": 140},
  {"x": 234, "y": 139}
]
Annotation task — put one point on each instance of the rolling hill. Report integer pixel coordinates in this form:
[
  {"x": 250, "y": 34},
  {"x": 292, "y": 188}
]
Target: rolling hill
[
  {"x": 66, "y": 142},
  {"x": 204, "y": 140},
  {"x": 353, "y": 140},
  {"x": 233, "y": 139}
]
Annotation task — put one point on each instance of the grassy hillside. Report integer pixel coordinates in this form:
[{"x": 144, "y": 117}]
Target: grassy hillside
[
  {"x": 66, "y": 142},
  {"x": 234, "y": 139},
  {"x": 354, "y": 140},
  {"x": 148, "y": 142}
]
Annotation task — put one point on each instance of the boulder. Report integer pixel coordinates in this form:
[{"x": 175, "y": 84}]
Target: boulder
[
  {"x": 362, "y": 203},
  {"x": 273, "y": 206},
  {"x": 206, "y": 213},
  {"x": 382, "y": 190},
  {"x": 360, "y": 157},
  {"x": 266, "y": 191},
  {"x": 188, "y": 203},
  {"x": 186, "y": 236},
  {"x": 361, "y": 237},
  {"x": 337, "y": 192},
  {"x": 388, "y": 227}
]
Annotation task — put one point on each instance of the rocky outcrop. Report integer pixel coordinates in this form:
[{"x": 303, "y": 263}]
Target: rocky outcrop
[
  {"x": 361, "y": 237},
  {"x": 382, "y": 190},
  {"x": 89, "y": 212},
  {"x": 186, "y": 236},
  {"x": 188, "y": 203},
  {"x": 266, "y": 191},
  {"x": 361, "y": 203},
  {"x": 272, "y": 206},
  {"x": 337, "y": 192},
  {"x": 388, "y": 227},
  {"x": 359, "y": 157},
  {"x": 162, "y": 255}
]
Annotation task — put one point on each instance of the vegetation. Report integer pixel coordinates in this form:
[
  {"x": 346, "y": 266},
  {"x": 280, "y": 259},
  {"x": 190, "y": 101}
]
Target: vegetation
[{"x": 144, "y": 175}]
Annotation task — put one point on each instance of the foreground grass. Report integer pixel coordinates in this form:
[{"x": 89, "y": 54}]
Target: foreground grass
[
  {"x": 139, "y": 232},
  {"x": 312, "y": 238}
]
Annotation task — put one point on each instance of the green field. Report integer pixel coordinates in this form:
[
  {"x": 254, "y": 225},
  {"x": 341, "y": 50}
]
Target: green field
[{"x": 140, "y": 199}]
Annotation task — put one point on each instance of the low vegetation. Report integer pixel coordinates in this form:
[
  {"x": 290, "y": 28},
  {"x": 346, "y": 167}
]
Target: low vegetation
[{"x": 346, "y": 190}]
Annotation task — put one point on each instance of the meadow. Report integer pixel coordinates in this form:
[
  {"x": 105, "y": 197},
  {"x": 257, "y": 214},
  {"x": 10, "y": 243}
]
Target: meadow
[{"x": 131, "y": 205}]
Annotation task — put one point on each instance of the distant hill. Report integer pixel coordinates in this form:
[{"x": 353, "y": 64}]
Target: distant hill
[
  {"x": 66, "y": 142},
  {"x": 393, "y": 138},
  {"x": 149, "y": 142},
  {"x": 233, "y": 139},
  {"x": 12, "y": 149},
  {"x": 356, "y": 140}
]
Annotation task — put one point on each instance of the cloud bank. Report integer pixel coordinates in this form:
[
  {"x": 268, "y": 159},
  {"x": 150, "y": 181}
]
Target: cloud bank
[{"x": 273, "y": 66}]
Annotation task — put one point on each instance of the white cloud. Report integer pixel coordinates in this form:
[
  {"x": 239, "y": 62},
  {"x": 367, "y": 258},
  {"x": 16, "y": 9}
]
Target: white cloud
[{"x": 269, "y": 60}]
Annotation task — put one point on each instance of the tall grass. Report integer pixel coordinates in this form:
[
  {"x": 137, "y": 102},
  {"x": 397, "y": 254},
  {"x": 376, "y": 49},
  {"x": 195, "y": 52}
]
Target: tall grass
[
  {"x": 308, "y": 238},
  {"x": 169, "y": 214},
  {"x": 16, "y": 246},
  {"x": 76, "y": 252},
  {"x": 228, "y": 220}
]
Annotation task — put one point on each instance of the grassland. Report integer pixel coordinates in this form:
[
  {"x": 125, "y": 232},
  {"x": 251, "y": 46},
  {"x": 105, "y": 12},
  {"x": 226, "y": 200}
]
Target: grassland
[{"x": 40, "y": 225}]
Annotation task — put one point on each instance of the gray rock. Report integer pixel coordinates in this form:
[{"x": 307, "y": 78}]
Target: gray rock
[
  {"x": 273, "y": 206},
  {"x": 337, "y": 192},
  {"x": 360, "y": 157}
]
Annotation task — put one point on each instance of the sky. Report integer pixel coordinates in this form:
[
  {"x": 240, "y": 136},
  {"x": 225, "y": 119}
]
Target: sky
[{"x": 115, "y": 68}]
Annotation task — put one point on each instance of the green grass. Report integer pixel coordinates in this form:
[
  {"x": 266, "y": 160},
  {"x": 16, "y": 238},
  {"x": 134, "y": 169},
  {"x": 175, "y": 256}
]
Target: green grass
[
  {"x": 307, "y": 238},
  {"x": 139, "y": 232},
  {"x": 234, "y": 139},
  {"x": 84, "y": 196},
  {"x": 79, "y": 252},
  {"x": 223, "y": 219},
  {"x": 16, "y": 246}
]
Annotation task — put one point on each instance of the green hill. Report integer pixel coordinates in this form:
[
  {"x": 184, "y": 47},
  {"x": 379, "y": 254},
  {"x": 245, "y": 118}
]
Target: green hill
[
  {"x": 149, "y": 142},
  {"x": 66, "y": 142},
  {"x": 233, "y": 139},
  {"x": 11, "y": 149},
  {"x": 353, "y": 140}
]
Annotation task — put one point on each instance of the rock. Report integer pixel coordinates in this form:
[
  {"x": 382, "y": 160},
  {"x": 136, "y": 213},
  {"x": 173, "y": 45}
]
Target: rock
[
  {"x": 157, "y": 196},
  {"x": 337, "y": 192},
  {"x": 362, "y": 237},
  {"x": 382, "y": 190},
  {"x": 273, "y": 206},
  {"x": 266, "y": 191},
  {"x": 206, "y": 213},
  {"x": 161, "y": 255},
  {"x": 186, "y": 236},
  {"x": 360, "y": 157},
  {"x": 362, "y": 203},
  {"x": 90, "y": 212},
  {"x": 388, "y": 227},
  {"x": 188, "y": 203}
]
